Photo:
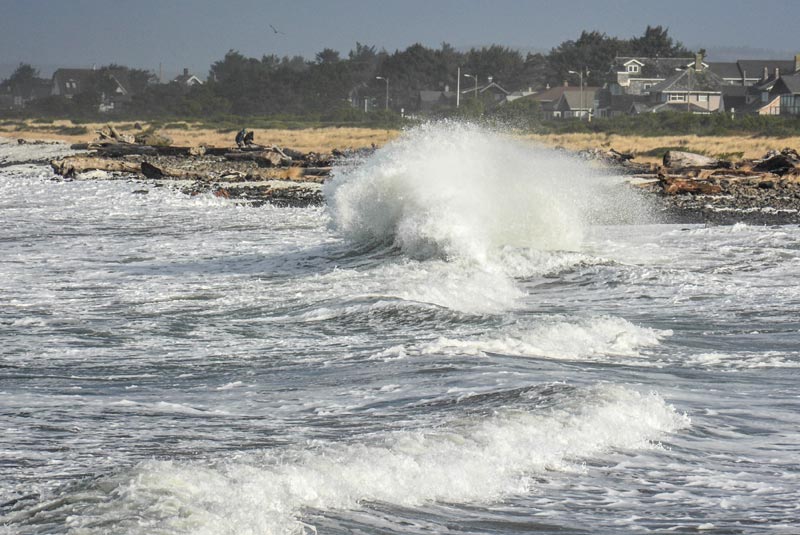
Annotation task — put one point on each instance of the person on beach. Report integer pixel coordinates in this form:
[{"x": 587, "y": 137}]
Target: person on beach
[
  {"x": 240, "y": 137},
  {"x": 249, "y": 138}
]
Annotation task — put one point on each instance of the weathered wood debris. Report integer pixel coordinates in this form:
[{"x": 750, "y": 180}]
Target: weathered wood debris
[
  {"x": 767, "y": 189},
  {"x": 253, "y": 173},
  {"x": 688, "y": 183},
  {"x": 697, "y": 187}
]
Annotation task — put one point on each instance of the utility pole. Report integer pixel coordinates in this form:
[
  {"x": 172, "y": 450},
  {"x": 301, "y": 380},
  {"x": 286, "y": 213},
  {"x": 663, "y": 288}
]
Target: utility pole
[
  {"x": 387, "y": 89},
  {"x": 458, "y": 87}
]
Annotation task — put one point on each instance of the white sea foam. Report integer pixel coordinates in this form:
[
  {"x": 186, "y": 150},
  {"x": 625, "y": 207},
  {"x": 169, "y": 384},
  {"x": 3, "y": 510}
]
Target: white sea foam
[
  {"x": 475, "y": 460},
  {"x": 11, "y": 152},
  {"x": 480, "y": 208},
  {"x": 587, "y": 339},
  {"x": 456, "y": 190},
  {"x": 744, "y": 360}
]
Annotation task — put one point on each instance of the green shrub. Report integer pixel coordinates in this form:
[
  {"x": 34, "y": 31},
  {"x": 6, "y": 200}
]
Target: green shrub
[{"x": 71, "y": 130}]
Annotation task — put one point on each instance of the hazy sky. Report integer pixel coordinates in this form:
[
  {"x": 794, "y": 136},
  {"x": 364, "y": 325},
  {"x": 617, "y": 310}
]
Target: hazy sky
[{"x": 195, "y": 33}]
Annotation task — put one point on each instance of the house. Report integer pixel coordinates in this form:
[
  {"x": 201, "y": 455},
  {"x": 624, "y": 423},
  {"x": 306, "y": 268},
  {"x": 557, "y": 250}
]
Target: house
[
  {"x": 431, "y": 101},
  {"x": 561, "y": 101},
  {"x": 112, "y": 84},
  {"x": 636, "y": 75},
  {"x": 609, "y": 105},
  {"x": 695, "y": 89},
  {"x": 514, "y": 95},
  {"x": 68, "y": 83},
  {"x": 787, "y": 90},
  {"x": 734, "y": 98},
  {"x": 730, "y": 73},
  {"x": 492, "y": 93},
  {"x": 187, "y": 79},
  {"x": 576, "y": 104},
  {"x": 18, "y": 96},
  {"x": 748, "y": 72}
]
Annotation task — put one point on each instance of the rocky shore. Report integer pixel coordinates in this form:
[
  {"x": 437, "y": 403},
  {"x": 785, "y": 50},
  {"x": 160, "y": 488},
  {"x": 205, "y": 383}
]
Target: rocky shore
[
  {"x": 689, "y": 188},
  {"x": 694, "y": 188},
  {"x": 248, "y": 173}
]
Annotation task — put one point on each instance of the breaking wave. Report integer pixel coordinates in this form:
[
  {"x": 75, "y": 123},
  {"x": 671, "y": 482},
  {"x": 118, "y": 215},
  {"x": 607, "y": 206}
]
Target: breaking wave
[
  {"x": 458, "y": 190},
  {"x": 475, "y": 459}
]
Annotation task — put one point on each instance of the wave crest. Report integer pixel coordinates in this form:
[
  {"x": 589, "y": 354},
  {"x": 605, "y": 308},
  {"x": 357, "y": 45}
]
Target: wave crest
[{"x": 457, "y": 190}]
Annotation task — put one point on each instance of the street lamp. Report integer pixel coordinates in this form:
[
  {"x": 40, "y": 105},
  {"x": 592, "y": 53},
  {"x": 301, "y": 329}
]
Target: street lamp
[
  {"x": 580, "y": 76},
  {"x": 387, "y": 89},
  {"x": 474, "y": 76}
]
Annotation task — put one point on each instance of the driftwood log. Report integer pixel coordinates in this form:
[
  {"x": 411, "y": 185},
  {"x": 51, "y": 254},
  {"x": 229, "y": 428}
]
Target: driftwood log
[
  {"x": 265, "y": 158},
  {"x": 786, "y": 161},
  {"x": 679, "y": 186},
  {"x": 124, "y": 149},
  {"x": 70, "y": 167},
  {"x": 680, "y": 159},
  {"x": 158, "y": 171}
]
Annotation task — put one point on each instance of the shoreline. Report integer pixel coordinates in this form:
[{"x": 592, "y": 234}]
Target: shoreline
[{"x": 256, "y": 182}]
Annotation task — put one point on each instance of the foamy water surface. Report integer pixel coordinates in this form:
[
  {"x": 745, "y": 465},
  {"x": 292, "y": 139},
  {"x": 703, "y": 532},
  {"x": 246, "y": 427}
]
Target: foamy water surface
[{"x": 485, "y": 338}]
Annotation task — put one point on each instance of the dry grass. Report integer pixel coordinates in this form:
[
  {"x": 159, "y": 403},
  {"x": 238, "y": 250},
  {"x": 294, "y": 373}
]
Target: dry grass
[
  {"x": 326, "y": 139},
  {"x": 310, "y": 139},
  {"x": 750, "y": 146}
]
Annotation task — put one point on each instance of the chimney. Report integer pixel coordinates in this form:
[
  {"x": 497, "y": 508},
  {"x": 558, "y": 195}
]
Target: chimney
[
  {"x": 566, "y": 83},
  {"x": 185, "y": 71},
  {"x": 490, "y": 79},
  {"x": 777, "y": 72},
  {"x": 446, "y": 88},
  {"x": 744, "y": 77},
  {"x": 698, "y": 62},
  {"x": 797, "y": 63},
  {"x": 765, "y": 75}
]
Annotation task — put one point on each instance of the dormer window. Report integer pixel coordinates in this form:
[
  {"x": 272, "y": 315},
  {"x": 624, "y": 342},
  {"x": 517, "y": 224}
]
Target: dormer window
[{"x": 633, "y": 68}]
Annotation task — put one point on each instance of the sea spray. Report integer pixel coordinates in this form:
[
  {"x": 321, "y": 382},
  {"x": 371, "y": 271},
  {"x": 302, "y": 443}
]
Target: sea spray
[{"x": 455, "y": 190}]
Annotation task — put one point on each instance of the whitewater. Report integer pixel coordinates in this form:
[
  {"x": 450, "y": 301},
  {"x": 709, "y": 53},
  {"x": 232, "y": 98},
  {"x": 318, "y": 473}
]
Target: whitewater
[{"x": 473, "y": 335}]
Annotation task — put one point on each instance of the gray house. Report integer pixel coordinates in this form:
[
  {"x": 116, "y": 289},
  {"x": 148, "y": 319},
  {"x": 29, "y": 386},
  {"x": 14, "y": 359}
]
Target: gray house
[
  {"x": 187, "y": 79},
  {"x": 787, "y": 89},
  {"x": 636, "y": 75},
  {"x": 694, "y": 89},
  {"x": 748, "y": 72}
]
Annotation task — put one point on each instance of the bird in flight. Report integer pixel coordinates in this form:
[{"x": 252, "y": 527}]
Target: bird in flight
[{"x": 274, "y": 29}]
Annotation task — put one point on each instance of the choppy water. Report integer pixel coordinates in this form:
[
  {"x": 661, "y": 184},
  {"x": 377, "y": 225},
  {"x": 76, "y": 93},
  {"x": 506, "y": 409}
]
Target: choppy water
[{"x": 481, "y": 338}]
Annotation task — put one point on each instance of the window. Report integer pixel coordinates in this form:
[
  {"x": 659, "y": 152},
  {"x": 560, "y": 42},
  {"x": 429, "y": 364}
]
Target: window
[
  {"x": 647, "y": 86},
  {"x": 677, "y": 97},
  {"x": 633, "y": 68},
  {"x": 702, "y": 98}
]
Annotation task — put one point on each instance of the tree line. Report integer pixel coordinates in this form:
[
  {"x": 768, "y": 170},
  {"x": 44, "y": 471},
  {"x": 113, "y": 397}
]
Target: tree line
[{"x": 333, "y": 87}]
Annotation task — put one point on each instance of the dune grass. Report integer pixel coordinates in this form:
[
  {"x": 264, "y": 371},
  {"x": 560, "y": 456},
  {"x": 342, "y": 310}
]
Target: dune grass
[
  {"x": 324, "y": 139},
  {"x": 189, "y": 134}
]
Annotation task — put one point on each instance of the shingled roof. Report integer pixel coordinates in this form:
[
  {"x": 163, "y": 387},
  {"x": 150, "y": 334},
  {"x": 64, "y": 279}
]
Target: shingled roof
[
  {"x": 690, "y": 80},
  {"x": 755, "y": 67},
  {"x": 725, "y": 69},
  {"x": 791, "y": 82},
  {"x": 580, "y": 100}
]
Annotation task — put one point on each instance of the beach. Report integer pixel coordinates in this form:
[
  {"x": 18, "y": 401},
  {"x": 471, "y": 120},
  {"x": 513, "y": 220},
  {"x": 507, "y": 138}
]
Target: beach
[{"x": 521, "y": 344}]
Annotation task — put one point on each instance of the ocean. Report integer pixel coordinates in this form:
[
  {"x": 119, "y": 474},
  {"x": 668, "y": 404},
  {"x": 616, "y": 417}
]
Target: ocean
[{"x": 472, "y": 336}]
